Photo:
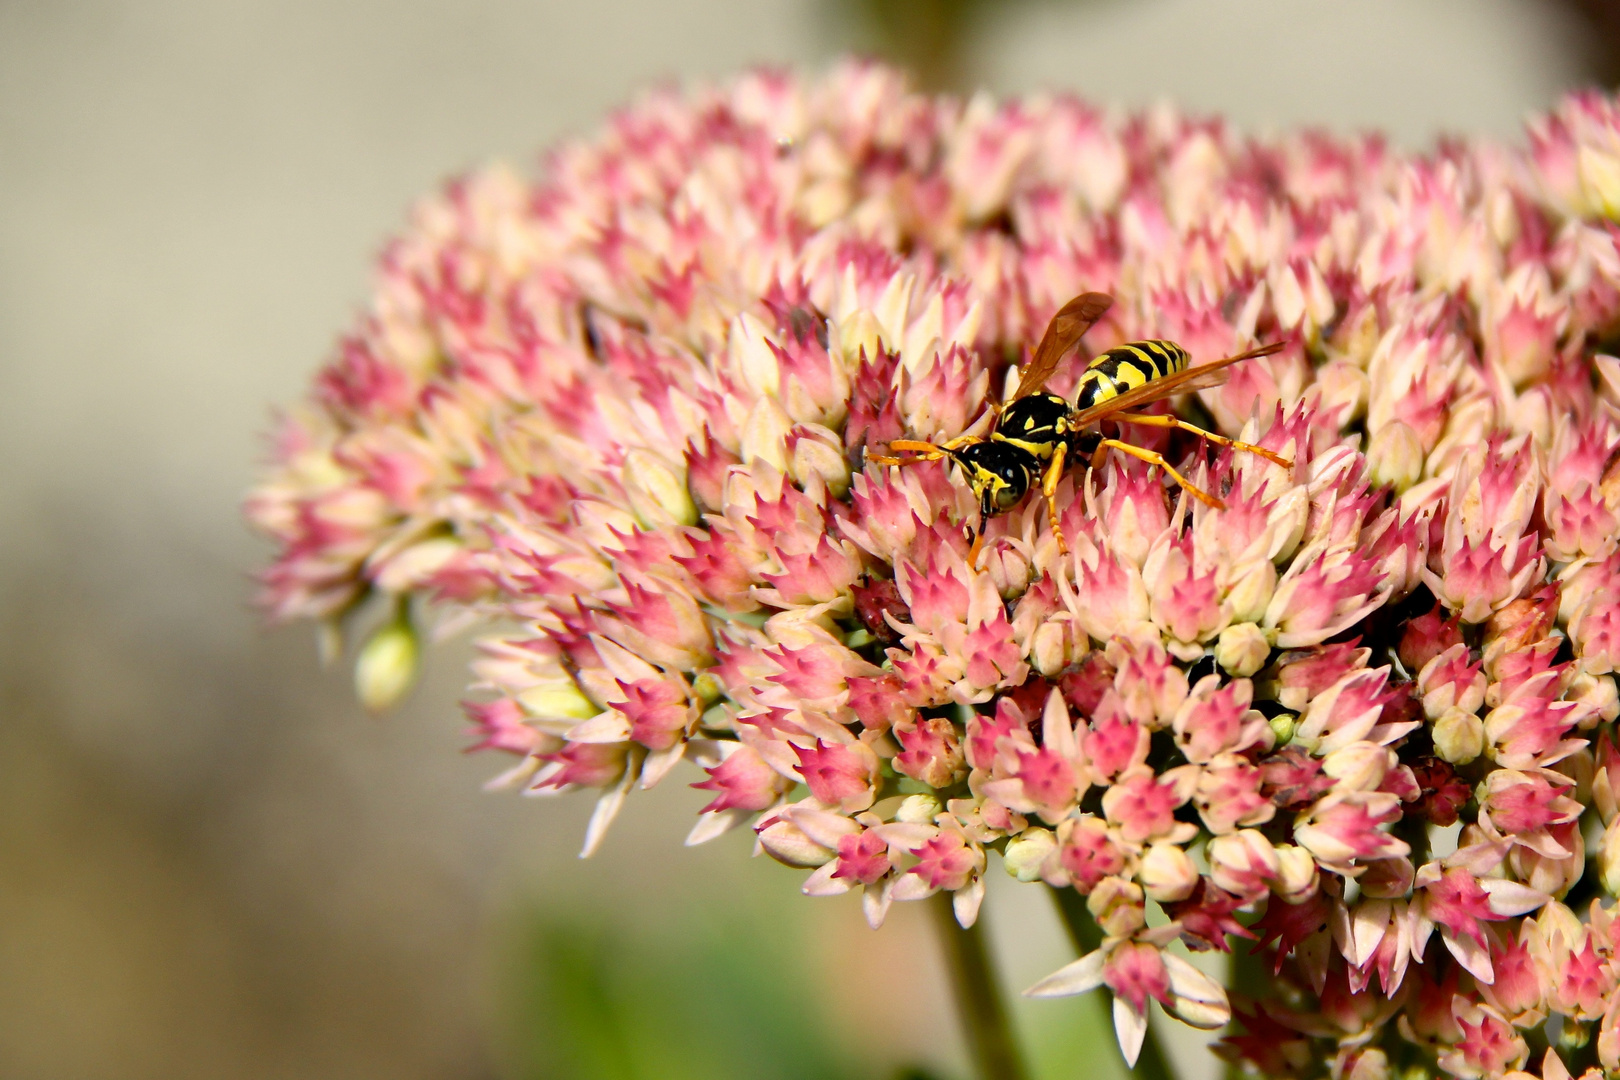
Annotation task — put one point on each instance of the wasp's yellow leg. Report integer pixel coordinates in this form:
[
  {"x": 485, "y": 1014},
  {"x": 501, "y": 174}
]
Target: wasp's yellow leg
[
  {"x": 1153, "y": 420},
  {"x": 1049, "y": 485},
  {"x": 1153, "y": 458},
  {"x": 924, "y": 451},
  {"x": 978, "y": 546}
]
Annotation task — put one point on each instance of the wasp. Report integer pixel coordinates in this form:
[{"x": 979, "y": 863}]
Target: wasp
[{"x": 1038, "y": 434}]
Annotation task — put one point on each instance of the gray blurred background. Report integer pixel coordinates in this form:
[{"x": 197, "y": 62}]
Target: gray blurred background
[{"x": 211, "y": 863}]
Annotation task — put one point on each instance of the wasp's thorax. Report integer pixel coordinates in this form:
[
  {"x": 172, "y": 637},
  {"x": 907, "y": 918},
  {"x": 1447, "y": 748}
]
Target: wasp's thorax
[
  {"x": 999, "y": 472},
  {"x": 1036, "y": 424}
]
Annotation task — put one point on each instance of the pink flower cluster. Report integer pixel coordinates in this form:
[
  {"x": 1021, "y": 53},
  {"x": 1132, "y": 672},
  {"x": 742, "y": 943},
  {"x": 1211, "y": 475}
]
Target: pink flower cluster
[{"x": 1359, "y": 718}]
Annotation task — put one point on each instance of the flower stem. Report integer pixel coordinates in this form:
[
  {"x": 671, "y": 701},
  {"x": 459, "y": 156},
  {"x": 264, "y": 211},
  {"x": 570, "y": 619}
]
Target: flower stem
[
  {"x": 978, "y": 995},
  {"x": 1151, "y": 1064}
]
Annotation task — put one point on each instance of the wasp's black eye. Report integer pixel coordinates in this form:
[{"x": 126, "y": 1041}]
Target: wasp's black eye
[{"x": 1007, "y": 497}]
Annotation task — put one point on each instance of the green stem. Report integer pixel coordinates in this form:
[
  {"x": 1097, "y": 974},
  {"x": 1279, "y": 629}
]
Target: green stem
[
  {"x": 1250, "y": 978},
  {"x": 978, "y": 995},
  {"x": 1086, "y": 935}
]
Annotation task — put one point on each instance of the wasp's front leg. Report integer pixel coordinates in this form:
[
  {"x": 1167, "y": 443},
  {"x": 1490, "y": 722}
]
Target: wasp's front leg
[{"x": 1049, "y": 485}]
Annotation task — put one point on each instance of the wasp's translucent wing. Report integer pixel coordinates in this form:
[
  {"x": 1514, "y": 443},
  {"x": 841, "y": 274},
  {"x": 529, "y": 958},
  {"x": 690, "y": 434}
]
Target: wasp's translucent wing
[
  {"x": 1062, "y": 334},
  {"x": 1182, "y": 382}
]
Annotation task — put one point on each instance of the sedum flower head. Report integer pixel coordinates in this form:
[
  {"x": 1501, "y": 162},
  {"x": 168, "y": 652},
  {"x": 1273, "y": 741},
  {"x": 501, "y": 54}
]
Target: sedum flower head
[{"x": 1358, "y": 719}]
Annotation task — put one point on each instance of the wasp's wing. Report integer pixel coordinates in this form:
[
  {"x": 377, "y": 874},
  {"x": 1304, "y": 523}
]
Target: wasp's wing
[
  {"x": 1182, "y": 382},
  {"x": 1062, "y": 334}
]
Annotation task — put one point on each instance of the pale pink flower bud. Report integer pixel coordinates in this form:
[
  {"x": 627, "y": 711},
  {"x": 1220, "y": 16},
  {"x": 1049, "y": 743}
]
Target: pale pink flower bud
[
  {"x": 1242, "y": 649},
  {"x": 743, "y": 781},
  {"x": 1606, "y": 779},
  {"x": 1387, "y": 879},
  {"x": 1132, "y": 511},
  {"x": 1479, "y": 578},
  {"x": 1135, "y": 972},
  {"x": 947, "y": 861},
  {"x": 839, "y": 774},
  {"x": 582, "y": 765},
  {"x": 1459, "y": 736},
  {"x": 1230, "y": 794},
  {"x": 1143, "y": 805},
  {"x": 1346, "y": 712},
  {"x": 1090, "y": 851},
  {"x": 1244, "y": 863},
  {"x": 1216, "y": 719},
  {"x": 1349, "y": 827},
  {"x": 1595, "y": 631},
  {"x": 1108, "y": 595},
  {"x": 1324, "y": 590},
  {"x": 932, "y": 752},
  {"x": 1150, "y": 687},
  {"x": 1450, "y": 680},
  {"x": 1184, "y": 603},
  {"x": 502, "y": 725}
]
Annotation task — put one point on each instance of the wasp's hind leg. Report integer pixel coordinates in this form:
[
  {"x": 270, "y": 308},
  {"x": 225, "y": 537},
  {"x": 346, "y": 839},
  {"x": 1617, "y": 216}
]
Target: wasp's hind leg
[
  {"x": 1153, "y": 458},
  {"x": 1049, "y": 484},
  {"x": 1159, "y": 421}
]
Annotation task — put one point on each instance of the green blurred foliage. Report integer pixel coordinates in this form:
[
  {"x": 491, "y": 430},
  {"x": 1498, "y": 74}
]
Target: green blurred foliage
[
  {"x": 587, "y": 999},
  {"x": 586, "y": 994}
]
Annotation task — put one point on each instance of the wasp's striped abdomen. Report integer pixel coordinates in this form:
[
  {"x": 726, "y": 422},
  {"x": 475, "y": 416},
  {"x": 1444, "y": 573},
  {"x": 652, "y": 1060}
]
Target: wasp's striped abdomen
[{"x": 1126, "y": 367}]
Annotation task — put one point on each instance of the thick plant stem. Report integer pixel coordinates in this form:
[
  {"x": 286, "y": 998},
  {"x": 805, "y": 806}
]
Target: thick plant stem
[
  {"x": 1151, "y": 1064},
  {"x": 978, "y": 995}
]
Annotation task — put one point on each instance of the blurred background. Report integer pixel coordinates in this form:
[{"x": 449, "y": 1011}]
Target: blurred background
[{"x": 212, "y": 864}]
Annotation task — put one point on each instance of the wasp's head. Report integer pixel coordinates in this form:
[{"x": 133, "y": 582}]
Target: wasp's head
[{"x": 998, "y": 473}]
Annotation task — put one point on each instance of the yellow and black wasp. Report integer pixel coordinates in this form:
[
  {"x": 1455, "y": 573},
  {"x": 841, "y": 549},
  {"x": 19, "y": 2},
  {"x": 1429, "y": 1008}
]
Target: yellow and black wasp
[{"x": 1038, "y": 434}]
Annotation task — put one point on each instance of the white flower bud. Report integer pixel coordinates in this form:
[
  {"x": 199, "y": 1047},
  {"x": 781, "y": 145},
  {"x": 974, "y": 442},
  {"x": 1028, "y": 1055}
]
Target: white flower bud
[
  {"x": 658, "y": 493},
  {"x": 1296, "y": 874},
  {"x": 1459, "y": 736},
  {"x": 764, "y": 434},
  {"x": 1242, "y": 649},
  {"x": 918, "y": 810},
  {"x": 1598, "y": 693},
  {"x": 1026, "y": 851},
  {"x": 386, "y": 668},
  {"x": 1252, "y": 586},
  {"x": 1050, "y": 649},
  {"x": 814, "y": 457},
  {"x": 1167, "y": 873},
  {"x": 1343, "y": 385},
  {"x": 790, "y": 845},
  {"x": 751, "y": 355},
  {"x": 1360, "y": 766},
  {"x": 1600, "y": 180},
  {"x": 1608, "y": 858},
  {"x": 858, "y": 333},
  {"x": 1286, "y": 522},
  {"x": 1395, "y": 456},
  {"x": 557, "y": 700}
]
